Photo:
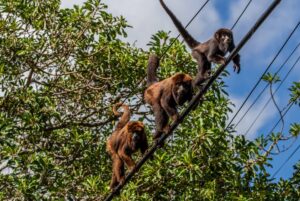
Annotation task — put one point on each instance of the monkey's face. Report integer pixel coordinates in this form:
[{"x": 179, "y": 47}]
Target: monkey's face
[
  {"x": 226, "y": 38},
  {"x": 136, "y": 139},
  {"x": 182, "y": 92},
  {"x": 137, "y": 132}
]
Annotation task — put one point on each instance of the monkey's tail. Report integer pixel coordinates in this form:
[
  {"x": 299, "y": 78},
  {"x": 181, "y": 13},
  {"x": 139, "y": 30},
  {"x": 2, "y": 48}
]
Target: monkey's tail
[
  {"x": 186, "y": 36},
  {"x": 125, "y": 117},
  {"x": 153, "y": 64}
]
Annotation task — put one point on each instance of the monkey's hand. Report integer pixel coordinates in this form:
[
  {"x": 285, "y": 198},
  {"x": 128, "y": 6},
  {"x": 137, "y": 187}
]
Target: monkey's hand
[
  {"x": 132, "y": 167},
  {"x": 222, "y": 61},
  {"x": 122, "y": 180},
  {"x": 175, "y": 117},
  {"x": 236, "y": 68},
  {"x": 166, "y": 129}
]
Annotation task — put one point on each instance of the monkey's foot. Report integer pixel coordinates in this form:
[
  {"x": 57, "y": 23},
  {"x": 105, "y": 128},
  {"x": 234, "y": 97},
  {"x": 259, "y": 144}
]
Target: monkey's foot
[{"x": 159, "y": 145}]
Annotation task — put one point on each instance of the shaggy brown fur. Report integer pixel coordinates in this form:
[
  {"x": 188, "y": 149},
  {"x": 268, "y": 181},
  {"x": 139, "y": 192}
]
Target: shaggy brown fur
[
  {"x": 165, "y": 95},
  {"x": 128, "y": 137}
]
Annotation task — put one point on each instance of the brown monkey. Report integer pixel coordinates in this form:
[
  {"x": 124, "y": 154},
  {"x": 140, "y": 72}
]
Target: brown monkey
[
  {"x": 212, "y": 50},
  {"x": 165, "y": 95},
  {"x": 128, "y": 137}
]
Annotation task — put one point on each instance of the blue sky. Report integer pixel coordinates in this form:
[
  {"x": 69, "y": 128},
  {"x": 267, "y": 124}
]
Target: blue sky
[{"x": 147, "y": 17}]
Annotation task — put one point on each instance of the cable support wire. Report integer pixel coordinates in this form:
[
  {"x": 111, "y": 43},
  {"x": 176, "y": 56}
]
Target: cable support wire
[
  {"x": 269, "y": 100},
  {"x": 267, "y": 84},
  {"x": 260, "y": 79},
  {"x": 195, "y": 100}
]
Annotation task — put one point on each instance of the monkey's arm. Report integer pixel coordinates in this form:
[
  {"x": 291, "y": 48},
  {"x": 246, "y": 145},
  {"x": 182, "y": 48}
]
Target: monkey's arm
[
  {"x": 216, "y": 58},
  {"x": 212, "y": 53},
  {"x": 165, "y": 103},
  {"x": 236, "y": 59},
  {"x": 144, "y": 144}
]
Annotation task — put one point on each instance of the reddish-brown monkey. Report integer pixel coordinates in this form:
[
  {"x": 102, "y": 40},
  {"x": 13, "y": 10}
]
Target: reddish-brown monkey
[
  {"x": 128, "y": 137},
  {"x": 212, "y": 50},
  {"x": 165, "y": 95}
]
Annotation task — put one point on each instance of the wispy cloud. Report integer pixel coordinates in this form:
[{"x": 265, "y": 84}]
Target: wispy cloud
[{"x": 243, "y": 126}]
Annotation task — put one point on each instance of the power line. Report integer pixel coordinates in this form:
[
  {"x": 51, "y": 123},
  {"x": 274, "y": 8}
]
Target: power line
[
  {"x": 266, "y": 86},
  {"x": 259, "y": 80},
  {"x": 195, "y": 101},
  {"x": 238, "y": 19},
  {"x": 284, "y": 163},
  {"x": 269, "y": 100}
]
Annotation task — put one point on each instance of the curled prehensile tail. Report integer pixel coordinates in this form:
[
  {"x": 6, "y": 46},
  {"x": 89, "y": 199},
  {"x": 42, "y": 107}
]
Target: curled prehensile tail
[
  {"x": 125, "y": 117},
  {"x": 186, "y": 36}
]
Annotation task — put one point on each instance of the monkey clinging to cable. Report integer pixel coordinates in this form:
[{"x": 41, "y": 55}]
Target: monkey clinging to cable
[
  {"x": 128, "y": 137},
  {"x": 212, "y": 50},
  {"x": 165, "y": 95}
]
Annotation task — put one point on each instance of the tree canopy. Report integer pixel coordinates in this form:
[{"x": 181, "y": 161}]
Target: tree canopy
[{"x": 61, "y": 70}]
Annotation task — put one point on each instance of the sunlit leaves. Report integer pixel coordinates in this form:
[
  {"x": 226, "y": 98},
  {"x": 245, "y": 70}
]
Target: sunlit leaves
[
  {"x": 295, "y": 129},
  {"x": 295, "y": 93}
]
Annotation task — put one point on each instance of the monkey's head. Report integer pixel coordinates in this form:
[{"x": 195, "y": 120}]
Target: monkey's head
[
  {"x": 182, "y": 89},
  {"x": 137, "y": 131},
  {"x": 224, "y": 37}
]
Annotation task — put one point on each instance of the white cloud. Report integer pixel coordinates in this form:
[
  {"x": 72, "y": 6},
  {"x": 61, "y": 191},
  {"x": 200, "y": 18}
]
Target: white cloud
[
  {"x": 266, "y": 116},
  {"x": 70, "y": 3}
]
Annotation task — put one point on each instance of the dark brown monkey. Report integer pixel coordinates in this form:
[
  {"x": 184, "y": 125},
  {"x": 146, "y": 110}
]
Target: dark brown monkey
[
  {"x": 212, "y": 50},
  {"x": 165, "y": 95},
  {"x": 128, "y": 137}
]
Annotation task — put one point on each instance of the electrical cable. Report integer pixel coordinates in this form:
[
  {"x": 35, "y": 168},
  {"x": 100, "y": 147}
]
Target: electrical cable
[{"x": 260, "y": 79}]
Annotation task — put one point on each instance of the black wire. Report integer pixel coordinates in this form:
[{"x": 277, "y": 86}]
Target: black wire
[
  {"x": 260, "y": 79},
  {"x": 195, "y": 100},
  {"x": 269, "y": 100},
  {"x": 266, "y": 86},
  {"x": 246, "y": 7},
  {"x": 284, "y": 163}
]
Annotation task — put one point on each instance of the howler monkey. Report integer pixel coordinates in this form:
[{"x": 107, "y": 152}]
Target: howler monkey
[
  {"x": 128, "y": 137},
  {"x": 212, "y": 50},
  {"x": 165, "y": 95}
]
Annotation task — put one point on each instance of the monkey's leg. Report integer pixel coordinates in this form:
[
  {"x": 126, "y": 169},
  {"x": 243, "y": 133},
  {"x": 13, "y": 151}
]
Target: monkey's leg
[
  {"x": 161, "y": 120},
  {"x": 170, "y": 109},
  {"x": 204, "y": 67},
  {"x": 118, "y": 168},
  {"x": 114, "y": 180}
]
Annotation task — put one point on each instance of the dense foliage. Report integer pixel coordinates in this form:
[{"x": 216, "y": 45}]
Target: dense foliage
[{"x": 60, "y": 72}]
